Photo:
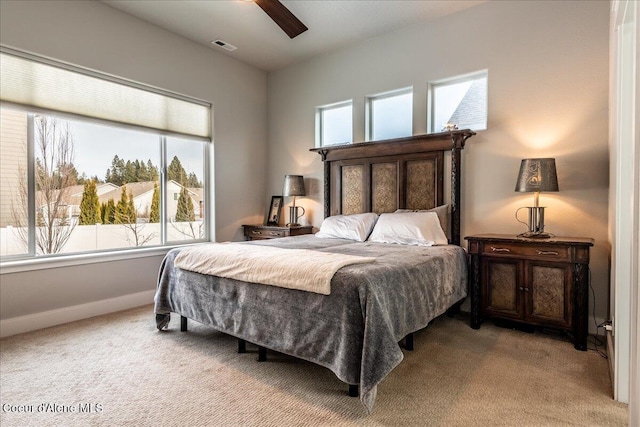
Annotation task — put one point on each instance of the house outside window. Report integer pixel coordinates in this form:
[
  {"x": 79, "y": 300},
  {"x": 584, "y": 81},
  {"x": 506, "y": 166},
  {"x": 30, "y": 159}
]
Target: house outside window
[
  {"x": 72, "y": 185},
  {"x": 334, "y": 124},
  {"x": 389, "y": 115},
  {"x": 459, "y": 102}
]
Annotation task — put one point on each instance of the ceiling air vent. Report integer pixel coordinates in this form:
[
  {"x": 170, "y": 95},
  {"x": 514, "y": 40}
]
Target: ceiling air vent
[{"x": 224, "y": 45}]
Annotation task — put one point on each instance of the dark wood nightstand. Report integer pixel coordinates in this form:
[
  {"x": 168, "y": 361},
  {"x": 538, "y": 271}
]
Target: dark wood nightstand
[
  {"x": 261, "y": 232},
  {"x": 542, "y": 282}
]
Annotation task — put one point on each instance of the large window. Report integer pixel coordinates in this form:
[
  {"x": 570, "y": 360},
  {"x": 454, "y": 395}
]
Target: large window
[
  {"x": 71, "y": 184},
  {"x": 459, "y": 102},
  {"x": 334, "y": 124},
  {"x": 390, "y": 115}
]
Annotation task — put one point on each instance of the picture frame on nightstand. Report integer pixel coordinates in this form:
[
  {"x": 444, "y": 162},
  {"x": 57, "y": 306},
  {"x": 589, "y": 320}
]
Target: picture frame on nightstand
[{"x": 275, "y": 210}]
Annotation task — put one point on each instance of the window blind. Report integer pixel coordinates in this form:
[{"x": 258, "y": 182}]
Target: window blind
[{"x": 31, "y": 82}]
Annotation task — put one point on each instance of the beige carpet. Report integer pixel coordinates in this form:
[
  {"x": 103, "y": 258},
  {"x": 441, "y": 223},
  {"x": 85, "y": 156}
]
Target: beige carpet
[{"x": 126, "y": 373}]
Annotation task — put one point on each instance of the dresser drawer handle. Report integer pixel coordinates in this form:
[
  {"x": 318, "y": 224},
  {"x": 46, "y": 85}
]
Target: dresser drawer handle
[
  {"x": 548, "y": 253},
  {"x": 256, "y": 232},
  {"x": 500, "y": 250},
  {"x": 274, "y": 233}
]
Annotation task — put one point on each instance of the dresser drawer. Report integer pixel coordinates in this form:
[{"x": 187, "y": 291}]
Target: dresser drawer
[{"x": 538, "y": 251}]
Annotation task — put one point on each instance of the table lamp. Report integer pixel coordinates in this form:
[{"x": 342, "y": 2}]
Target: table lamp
[
  {"x": 294, "y": 186},
  {"x": 535, "y": 176}
]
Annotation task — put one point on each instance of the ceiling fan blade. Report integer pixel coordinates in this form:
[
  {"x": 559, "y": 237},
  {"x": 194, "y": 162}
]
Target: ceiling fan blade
[{"x": 283, "y": 17}]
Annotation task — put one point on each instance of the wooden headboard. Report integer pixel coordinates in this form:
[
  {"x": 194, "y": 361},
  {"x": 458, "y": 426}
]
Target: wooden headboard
[{"x": 404, "y": 173}]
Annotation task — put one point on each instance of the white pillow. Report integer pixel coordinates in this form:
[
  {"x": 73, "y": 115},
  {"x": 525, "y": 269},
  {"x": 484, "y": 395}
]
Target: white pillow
[
  {"x": 353, "y": 227},
  {"x": 409, "y": 228},
  {"x": 443, "y": 214}
]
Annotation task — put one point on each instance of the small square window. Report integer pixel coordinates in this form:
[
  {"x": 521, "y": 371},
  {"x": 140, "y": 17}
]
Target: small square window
[
  {"x": 334, "y": 124},
  {"x": 390, "y": 115},
  {"x": 460, "y": 101}
]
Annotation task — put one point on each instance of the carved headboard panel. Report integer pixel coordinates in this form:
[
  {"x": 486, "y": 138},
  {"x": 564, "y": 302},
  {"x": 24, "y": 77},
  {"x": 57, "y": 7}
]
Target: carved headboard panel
[
  {"x": 384, "y": 184},
  {"x": 404, "y": 173}
]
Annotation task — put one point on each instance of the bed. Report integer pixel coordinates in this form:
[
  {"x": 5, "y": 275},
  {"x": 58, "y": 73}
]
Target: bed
[{"x": 355, "y": 330}]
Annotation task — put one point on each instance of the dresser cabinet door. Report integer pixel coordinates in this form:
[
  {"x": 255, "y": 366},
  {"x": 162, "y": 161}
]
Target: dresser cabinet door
[
  {"x": 501, "y": 294},
  {"x": 548, "y": 293}
]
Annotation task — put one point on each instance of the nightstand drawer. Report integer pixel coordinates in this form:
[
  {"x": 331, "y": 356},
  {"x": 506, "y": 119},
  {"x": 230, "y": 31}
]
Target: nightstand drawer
[
  {"x": 556, "y": 253},
  {"x": 266, "y": 234},
  {"x": 261, "y": 232}
]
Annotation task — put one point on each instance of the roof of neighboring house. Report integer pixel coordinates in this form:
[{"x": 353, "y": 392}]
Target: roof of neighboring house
[
  {"x": 75, "y": 189},
  {"x": 135, "y": 188},
  {"x": 473, "y": 106},
  {"x": 104, "y": 188},
  {"x": 197, "y": 192},
  {"x": 75, "y": 193},
  {"x": 100, "y": 188}
]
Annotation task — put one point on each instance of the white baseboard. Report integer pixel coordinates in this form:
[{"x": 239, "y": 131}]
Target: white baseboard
[
  {"x": 611, "y": 356},
  {"x": 32, "y": 322}
]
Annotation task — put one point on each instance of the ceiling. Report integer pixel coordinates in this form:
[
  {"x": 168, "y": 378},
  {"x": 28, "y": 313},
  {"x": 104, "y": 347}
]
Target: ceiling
[{"x": 261, "y": 43}]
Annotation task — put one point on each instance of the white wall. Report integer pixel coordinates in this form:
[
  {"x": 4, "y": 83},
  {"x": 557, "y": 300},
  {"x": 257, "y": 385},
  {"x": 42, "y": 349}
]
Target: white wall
[
  {"x": 93, "y": 35},
  {"x": 548, "y": 96}
]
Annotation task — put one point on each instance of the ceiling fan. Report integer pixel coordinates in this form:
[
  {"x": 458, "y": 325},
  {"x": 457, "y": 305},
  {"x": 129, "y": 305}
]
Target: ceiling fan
[{"x": 283, "y": 17}]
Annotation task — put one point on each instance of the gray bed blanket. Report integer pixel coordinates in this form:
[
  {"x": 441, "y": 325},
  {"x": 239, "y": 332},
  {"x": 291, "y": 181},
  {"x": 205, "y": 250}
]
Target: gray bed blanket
[{"x": 354, "y": 331}]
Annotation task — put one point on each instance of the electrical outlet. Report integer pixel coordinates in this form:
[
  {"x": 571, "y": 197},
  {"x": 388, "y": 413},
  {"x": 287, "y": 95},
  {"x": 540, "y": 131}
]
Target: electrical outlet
[
  {"x": 613, "y": 326},
  {"x": 610, "y": 327}
]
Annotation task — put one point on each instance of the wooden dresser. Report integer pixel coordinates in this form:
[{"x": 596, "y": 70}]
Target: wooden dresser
[
  {"x": 542, "y": 282},
  {"x": 261, "y": 232}
]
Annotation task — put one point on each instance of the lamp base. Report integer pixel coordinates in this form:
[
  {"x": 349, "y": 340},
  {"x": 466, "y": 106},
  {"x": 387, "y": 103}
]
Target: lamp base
[
  {"x": 535, "y": 224},
  {"x": 534, "y": 235},
  {"x": 294, "y": 216}
]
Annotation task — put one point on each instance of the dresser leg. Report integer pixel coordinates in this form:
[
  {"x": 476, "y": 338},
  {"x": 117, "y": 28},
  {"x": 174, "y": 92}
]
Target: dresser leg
[{"x": 581, "y": 347}]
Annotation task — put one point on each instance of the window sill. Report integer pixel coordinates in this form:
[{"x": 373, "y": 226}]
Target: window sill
[{"x": 23, "y": 265}]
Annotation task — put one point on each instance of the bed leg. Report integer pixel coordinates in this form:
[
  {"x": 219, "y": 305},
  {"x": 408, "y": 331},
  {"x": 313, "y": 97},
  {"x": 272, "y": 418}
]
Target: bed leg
[
  {"x": 242, "y": 346},
  {"x": 162, "y": 321},
  {"x": 353, "y": 390},
  {"x": 454, "y": 309},
  {"x": 183, "y": 324},
  {"x": 408, "y": 342},
  {"x": 262, "y": 354}
]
